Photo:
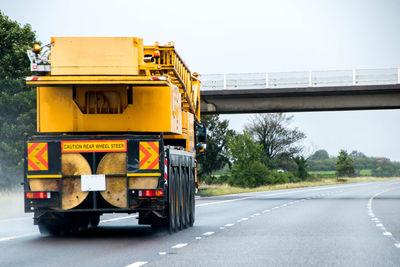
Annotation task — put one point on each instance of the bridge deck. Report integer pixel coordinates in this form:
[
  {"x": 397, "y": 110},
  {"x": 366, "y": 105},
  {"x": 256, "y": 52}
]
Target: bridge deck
[{"x": 248, "y": 93}]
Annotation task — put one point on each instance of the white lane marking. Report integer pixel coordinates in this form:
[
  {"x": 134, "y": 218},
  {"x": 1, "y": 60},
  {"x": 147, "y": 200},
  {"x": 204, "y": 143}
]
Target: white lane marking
[
  {"x": 137, "y": 264},
  {"x": 222, "y": 228},
  {"x": 376, "y": 220},
  {"x": 16, "y": 237},
  {"x": 162, "y": 253},
  {"x": 258, "y": 194},
  {"x": 244, "y": 219},
  {"x": 229, "y": 224},
  {"x": 180, "y": 245},
  {"x": 257, "y": 214},
  {"x": 274, "y": 208},
  {"x": 265, "y": 211},
  {"x": 198, "y": 237},
  {"x": 15, "y": 219},
  {"x": 208, "y": 233},
  {"x": 117, "y": 219}
]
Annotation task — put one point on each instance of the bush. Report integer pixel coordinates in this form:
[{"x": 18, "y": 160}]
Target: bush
[
  {"x": 252, "y": 175},
  {"x": 217, "y": 179}
]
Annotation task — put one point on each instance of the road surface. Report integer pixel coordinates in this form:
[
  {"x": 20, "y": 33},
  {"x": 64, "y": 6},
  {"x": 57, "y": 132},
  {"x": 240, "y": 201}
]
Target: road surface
[{"x": 341, "y": 225}]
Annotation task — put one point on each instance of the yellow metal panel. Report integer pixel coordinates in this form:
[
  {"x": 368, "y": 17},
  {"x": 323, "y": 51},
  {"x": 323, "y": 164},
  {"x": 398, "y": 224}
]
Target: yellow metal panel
[
  {"x": 43, "y": 176},
  {"x": 95, "y": 55},
  {"x": 88, "y": 80},
  {"x": 150, "y": 111}
]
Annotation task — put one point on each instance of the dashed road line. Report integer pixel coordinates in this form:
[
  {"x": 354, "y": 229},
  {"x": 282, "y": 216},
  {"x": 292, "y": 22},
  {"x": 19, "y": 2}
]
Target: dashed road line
[
  {"x": 377, "y": 221},
  {"x": 208, "y": 233},
  {"x": 180, "y": 245},
  {"x": 137, "y": 264}
]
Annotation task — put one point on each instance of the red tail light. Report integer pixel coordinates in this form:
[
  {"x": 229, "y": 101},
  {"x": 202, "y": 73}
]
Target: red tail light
[
  {"x": 151, "y": 193},
  {"x": 38, "y": 195}
]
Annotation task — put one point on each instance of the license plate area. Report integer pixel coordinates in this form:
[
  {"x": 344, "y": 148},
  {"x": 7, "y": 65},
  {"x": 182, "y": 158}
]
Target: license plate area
[{"x": 93, "y": 182}]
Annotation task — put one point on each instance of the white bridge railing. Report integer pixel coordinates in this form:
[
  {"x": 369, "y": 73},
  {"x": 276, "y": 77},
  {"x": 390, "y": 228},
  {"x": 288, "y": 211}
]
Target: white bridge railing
[{"x": 300, "y": 79}]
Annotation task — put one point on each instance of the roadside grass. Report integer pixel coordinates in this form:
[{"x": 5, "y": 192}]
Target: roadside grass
[
  {"x": 225, "y": 189},
  {"x": 323, "y": 172},
  {"x": 365, "y": 172}
]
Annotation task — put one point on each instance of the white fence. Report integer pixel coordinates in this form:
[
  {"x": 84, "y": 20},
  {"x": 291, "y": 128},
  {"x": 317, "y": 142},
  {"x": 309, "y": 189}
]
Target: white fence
[{"x": 300, "y": 79}]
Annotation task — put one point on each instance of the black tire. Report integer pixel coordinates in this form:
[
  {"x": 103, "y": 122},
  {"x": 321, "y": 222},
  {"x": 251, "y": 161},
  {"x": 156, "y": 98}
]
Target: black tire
[
  {"x": 192, "y": 205},
  {"x": 178, "y": 197},
  {"x": 171, "y": 203},
  {"x": 186, "y": 198},
  {"x": 182, "y": 200}
]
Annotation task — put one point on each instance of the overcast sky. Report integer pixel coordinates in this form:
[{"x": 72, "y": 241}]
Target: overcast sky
[{"x": 253, "y": 36}]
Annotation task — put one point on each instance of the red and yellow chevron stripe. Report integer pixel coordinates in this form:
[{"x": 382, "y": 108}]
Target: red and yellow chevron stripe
[
  {"x": 38, "y": 157},
  {"x": 149, "y": 156}
]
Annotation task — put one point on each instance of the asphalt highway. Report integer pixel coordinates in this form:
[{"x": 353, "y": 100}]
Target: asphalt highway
[{"x": 341, "y": 225}]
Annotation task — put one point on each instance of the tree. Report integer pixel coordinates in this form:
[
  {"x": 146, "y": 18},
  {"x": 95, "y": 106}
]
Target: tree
[
  {"x": 272, "y": 132},
  {"x": 17, "y": 101},
  {"x": 215, "y": 156},
  {"x": 15, "y": 40},
  {"x": 302, "y": 165},
  {"x": 247, "y": 169},
  {"x": 344, "y": 164},
  {"x": 320, "y": 155}
]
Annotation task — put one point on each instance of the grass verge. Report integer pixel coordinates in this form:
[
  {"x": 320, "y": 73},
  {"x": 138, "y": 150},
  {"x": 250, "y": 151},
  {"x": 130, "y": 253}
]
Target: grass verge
[{"x": 218, "y": 190}]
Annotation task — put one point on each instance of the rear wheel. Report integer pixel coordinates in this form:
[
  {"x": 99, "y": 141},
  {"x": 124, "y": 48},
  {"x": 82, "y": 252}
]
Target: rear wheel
[
  {"x": 178, "y": 197},
  {"x": 191, "y": 198},
  {"x": 186, "y": 206},
  {"x": 171, "y": 207}
]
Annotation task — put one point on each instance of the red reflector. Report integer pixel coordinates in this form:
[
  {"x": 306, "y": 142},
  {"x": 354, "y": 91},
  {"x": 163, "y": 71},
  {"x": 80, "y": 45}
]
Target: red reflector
[
  {"x": 158, "y": 78},
  {"x": 159, "y": 193},
  {"x": 38, "y": 195}
]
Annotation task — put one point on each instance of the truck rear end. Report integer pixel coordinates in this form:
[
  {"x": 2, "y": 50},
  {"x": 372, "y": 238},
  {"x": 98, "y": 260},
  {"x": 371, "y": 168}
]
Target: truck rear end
[{"x": 116, "y": 134}]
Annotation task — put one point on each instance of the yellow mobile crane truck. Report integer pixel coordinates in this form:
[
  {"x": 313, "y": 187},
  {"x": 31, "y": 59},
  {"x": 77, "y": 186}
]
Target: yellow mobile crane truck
[{"x": 118, "y": 127}]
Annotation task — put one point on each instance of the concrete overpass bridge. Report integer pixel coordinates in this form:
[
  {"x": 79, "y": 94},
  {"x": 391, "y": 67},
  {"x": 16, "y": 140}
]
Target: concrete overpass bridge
[{"x": 362, "y": 89}]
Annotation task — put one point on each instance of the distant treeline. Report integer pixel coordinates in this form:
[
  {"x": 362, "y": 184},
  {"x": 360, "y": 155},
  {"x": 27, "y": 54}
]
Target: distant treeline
[{"x": 379, "y": 167}]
